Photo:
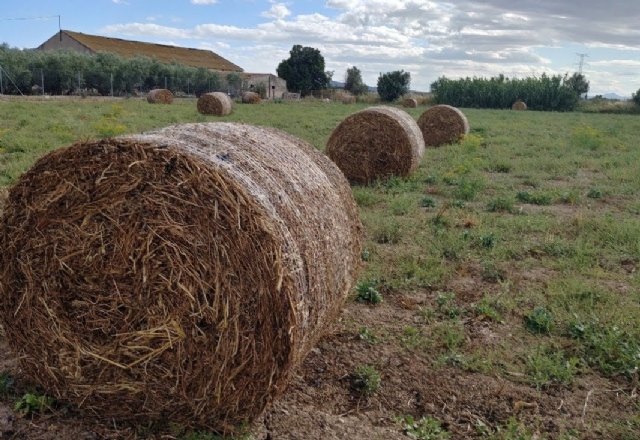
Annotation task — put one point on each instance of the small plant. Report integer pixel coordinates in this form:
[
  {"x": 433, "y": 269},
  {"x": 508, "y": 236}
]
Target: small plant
[
  {"x": 402, "y": 205},
  {"x": 364, "y": 196},
  {"x": 587, "y": 137},
  {"x": 427, "y": 202},
  {"x": 365, "y": 255},
  {"x": 484, "y": 309},
  {"x": 570, "y": 197},
  {"x": 594, "y": 193},
  {"x": 367, "y": 335},
  {"x": 366, "y": 291},
  {"x": 492, "y": 273},
  {"x": 500, "y": 167},
  {"x": 447, "y": 306},
  {"x": 427, "y": 428},
  {"x": 488, "y": 241},
  {"x": 386, "y": 231},
  {"x": 411, "y": 337},
  {"x": 365, "y": 380},
  {"x": 546, "y": 367},
  {"x": 430, "y": 180},
  {"x": 457, "y": 204},
  {"x": 467, "y": 189},
  {"x": 33, "y": 403},
  {"x": 500, "y": 204},
  {"x": 534, "y": 198},
  {"x": 539, "y": 320}
]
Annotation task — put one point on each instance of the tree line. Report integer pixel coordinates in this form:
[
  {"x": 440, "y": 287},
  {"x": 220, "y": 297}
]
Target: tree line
[{"x": 68, "y": 72}]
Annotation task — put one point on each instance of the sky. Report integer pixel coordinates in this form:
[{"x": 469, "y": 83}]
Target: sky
[{"x": 428, "y": 38}]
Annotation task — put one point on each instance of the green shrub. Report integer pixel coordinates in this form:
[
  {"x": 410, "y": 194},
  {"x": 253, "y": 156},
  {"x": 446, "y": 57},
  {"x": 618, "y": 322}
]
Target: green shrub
[
  {"x": 366, "y": 291},
  {"x": 539, "y": 320},
  {"x": 366, "y": 380},
  {"x": 427, "y": 428},
  {"x": 500, "y": 204}
]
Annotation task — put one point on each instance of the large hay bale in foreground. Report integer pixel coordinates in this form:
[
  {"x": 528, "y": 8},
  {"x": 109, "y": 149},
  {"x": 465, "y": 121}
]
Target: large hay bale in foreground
[
  {"x": 410, "y": 103},
  {"x": 375, "y": 143},
  {"x": 176, "y": 275},
  {"x": 215, "y": 103},
  {"x": 442, "y": 124},
  {"x": 519, "y": 105},
  {"x": 160, "y": 96},
  {"x": 251, "y": 98}
]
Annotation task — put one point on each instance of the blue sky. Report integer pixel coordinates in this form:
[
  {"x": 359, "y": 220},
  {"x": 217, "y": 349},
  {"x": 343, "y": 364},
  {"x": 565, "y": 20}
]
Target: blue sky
[{"x": 428, "y": 38}]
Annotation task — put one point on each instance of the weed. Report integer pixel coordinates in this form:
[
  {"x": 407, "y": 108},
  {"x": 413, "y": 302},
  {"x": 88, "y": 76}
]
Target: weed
[
  {"x": 365, "y": 196},
  {"x": 108, "y": 127},
  {"x": 365, "y": 255},
  {"x": 514, "y": 430},
  {"x": 365, "y": 380},
  {"x": 534, "y": 198},
  {"x": 447, "y": 306},
  {"x": 587, "y": 137},
  {"x": 488, "y": 241},
  {"x": 607, "y": 347},
  {"x": 492, "y": 273},
  {"x": 570, "y": 197},
  {"x": 386, "y": 231},
  {"x": 500, "y": 167},
  {"x": 427, "y": 202},
  {"x": 430, "y": 180},
  {"x": 449, "y": 334},
  {"x": 594, "y": 193},
  {"x": 366, "y": 335},
  {"x": 457, "y": 203},
  {"x": 411, "y": 337},
  {"x": 366, "y": 291},
  {"x": 467, "y": 189},
  {"x": 500, "y": 204},
  {"x": 539, "y": 320},
  {"x": 487, "y": 310},
  {"x": 427, "y": 428},
  {"x": 546, "y": 367},
  {"x": 33, "y": 403},
  {"x": 402, "y": 205}
]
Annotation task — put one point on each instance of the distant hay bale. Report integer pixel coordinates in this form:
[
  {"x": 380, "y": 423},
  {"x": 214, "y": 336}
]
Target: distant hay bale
[
  {"x": 160, "y": 96},
  {"x": 442, "y": 124},
  {"x": 180, "y": 274},
  {"x": 251, "y": 98},
  {"x": 519, "y": 105},
  {"x": 215, "y": 103},
  {"x": 410, "y": 103},
  {"x": 375, "y": 143},
  {"x": 348, "y": 99}
]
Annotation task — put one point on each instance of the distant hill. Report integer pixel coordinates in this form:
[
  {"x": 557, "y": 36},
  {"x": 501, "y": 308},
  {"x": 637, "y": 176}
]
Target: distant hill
[
  {"x": 340, "y": 85},
  {"x": 615, "y": 96}
]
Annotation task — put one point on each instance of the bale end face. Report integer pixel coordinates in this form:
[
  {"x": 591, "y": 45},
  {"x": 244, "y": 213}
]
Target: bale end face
[
  {"x": 251, "y": 98},
  {"x": 376, "y": 143},
  {"x": 194, "y": 267},
  {"x": 216, "y": 104},
  {"x": 519, "y": 105},
  {"x": 443, "y": 124},
  {"x": 160, "y": 96},
  {"x": 410, "y": 103}
]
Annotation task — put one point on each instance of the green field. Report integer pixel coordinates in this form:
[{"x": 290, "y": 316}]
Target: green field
[{"x": 507, "y": 268}]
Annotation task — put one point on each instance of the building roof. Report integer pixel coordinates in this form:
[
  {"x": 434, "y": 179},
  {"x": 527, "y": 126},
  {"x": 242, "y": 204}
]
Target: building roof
[{"x": 163, "y": 53}]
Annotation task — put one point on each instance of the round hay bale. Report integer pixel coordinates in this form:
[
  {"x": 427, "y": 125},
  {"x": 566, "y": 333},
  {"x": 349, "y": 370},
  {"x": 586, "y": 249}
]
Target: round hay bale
[
  {"x": 215, "y": 103},
  {"x": 180, "y": 274},
  {"x": 519, "y": 105},
  {"x": 251, "y": 98},
  {"x": 375, "y": 143},
  {"x": 410, "y": 103},
  {"x": 160, "y": 96},
  {"x": 348, "y": 99},
  {"x": 442, "y": 124}
]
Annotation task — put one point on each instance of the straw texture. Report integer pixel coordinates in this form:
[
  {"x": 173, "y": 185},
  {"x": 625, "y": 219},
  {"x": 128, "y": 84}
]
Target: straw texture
[
  {"x": 410, "y": 103},
  {"x": 442, "y": 124},
  {"x": 215, "y": 103},
  {"x": 375, "y": 143},
  {"x": 176, "y": 275},
  {"x": 160, "y": 96},
  {"x": 251, "y": 98},
  {"x": 519, "y": 105}
]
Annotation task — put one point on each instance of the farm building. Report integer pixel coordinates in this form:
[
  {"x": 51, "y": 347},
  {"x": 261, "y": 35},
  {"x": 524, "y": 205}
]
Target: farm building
[
  {"x": 92, "y": 44},
  {"x": 274, "y": 86}
]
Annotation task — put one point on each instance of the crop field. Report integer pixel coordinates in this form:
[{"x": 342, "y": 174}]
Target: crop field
[{"x": 500, "y": 294}]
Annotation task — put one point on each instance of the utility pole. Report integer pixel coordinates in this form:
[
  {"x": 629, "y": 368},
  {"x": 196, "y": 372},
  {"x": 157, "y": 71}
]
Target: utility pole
[{"x": 581, "y": 62}]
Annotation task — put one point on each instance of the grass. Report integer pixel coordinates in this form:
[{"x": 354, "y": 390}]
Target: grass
[{"x": 528, "y": 230}]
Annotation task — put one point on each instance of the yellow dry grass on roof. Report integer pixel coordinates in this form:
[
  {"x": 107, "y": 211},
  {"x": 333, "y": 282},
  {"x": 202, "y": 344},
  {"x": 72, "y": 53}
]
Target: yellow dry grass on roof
[{"x": 164, "y": 53}]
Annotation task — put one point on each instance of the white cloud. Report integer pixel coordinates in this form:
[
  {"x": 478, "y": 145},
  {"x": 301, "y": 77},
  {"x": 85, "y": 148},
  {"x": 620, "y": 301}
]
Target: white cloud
[
  {"x": 430, "y": 38},
  {"x": 277, "y": 11},
  {"x": 120, "y": 2},
  {"x": 204, "y": 2}
]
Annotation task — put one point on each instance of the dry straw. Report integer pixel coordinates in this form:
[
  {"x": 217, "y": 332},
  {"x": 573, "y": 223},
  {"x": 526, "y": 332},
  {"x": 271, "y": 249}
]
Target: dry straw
[
  {"x": 442, "y": 124},
  {"x": 216, "y": 103},
  {"x": 348, "y": 99},
  {"x": 375, "y": 143},
  {"x": 175, "y": 275},
  {"x": 519, "y": 105},
  {"x": 410, "y": 103},
  {"x": 160, "y": 96},
  {"x": 251, "y": 98}
]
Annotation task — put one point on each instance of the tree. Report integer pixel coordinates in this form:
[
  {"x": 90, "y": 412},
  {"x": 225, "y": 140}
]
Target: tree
[
  {"x": 353, "y": 82},
  {"x": 304, "y": 70},
  {"x": 578, "y": 83},
  {"x": 636, "y": 97},
  {"x": 393, "y": 85}
]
